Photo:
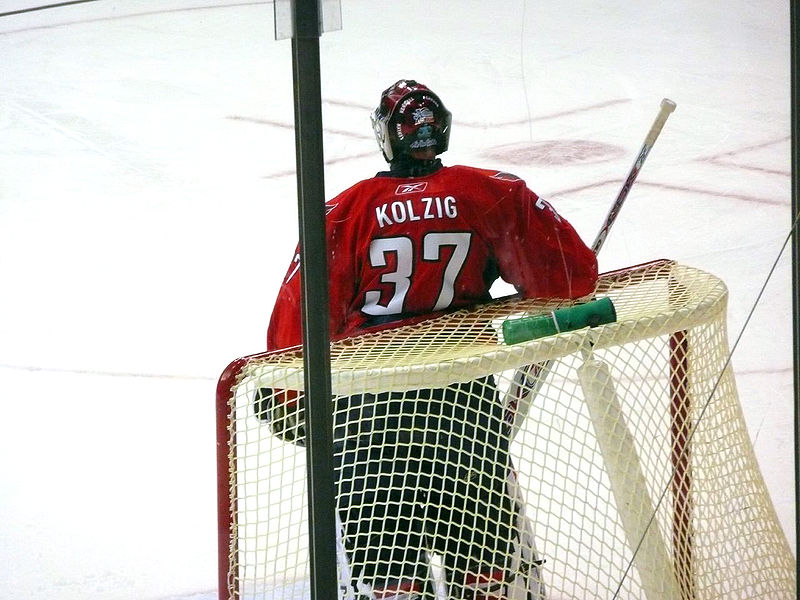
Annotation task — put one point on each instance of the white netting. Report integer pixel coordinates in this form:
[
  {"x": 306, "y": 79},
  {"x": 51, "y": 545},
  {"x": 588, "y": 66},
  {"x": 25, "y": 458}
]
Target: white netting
[{"x": 458, "y": 465}]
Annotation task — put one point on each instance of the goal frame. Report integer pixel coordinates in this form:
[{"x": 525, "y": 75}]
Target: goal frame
[{"x": 680, "y": 488}]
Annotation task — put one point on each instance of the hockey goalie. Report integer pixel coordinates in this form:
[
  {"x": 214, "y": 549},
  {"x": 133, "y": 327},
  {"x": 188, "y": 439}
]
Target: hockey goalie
[{"x": 424, "y": 479}]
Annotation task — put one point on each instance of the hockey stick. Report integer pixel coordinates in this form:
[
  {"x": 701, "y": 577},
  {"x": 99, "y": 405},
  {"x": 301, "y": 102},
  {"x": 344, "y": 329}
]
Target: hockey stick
[
  {"x": 667, "y": 106},
  {"x": 623, "y": 466},
  {"x": 528, "y": 380}
]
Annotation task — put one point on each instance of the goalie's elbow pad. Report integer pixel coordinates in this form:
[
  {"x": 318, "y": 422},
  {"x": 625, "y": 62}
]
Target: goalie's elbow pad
[{"x": 284, "y": 411}]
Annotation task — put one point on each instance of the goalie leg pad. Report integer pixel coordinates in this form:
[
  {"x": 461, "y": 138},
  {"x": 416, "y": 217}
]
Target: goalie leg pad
[
  {"x": 488, "y": 585},
  {"x": 412, "y": 589}
]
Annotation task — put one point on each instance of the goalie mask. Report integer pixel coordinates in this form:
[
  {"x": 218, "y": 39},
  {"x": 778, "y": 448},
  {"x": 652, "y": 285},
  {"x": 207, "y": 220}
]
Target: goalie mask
[{"x": 410, "y": 117}]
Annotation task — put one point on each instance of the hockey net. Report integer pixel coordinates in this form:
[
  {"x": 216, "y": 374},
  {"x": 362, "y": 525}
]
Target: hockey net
[{"x": 626, "y": 465}]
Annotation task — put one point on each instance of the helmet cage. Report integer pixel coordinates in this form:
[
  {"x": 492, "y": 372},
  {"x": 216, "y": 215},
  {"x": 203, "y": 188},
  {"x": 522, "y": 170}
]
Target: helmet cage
[{"x": 410, "y": 117}]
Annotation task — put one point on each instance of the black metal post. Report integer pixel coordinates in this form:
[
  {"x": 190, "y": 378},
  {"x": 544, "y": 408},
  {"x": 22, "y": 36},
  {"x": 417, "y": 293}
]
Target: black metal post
[
  {"x": 794, "y": 17},
  {"x": 795, "y": 98},
  {"x": 314, "y": 273}
]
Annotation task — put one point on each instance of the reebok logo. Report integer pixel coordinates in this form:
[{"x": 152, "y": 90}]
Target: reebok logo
[{"x": 411, "y": 188}]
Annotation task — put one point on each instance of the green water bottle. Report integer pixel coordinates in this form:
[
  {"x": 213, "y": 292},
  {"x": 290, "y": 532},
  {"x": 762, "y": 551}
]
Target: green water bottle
[{"x": 591, "y": 314}]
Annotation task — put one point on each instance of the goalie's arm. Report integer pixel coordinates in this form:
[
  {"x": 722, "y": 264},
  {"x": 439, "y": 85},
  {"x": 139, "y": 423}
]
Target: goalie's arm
[
  {"x": 540, "y": 253},
  {"x": 283, "y": 411}
]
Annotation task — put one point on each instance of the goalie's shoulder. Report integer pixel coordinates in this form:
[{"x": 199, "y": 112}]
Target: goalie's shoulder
[
  {"x": 485, "y": 174},
  {"x": 338, "y": 207}
]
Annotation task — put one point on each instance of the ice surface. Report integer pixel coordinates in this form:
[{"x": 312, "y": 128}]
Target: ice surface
[{"x": 148, "y": 213}]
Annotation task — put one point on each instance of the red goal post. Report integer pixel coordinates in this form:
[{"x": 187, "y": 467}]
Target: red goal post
[{"x": 631, "y": 454}]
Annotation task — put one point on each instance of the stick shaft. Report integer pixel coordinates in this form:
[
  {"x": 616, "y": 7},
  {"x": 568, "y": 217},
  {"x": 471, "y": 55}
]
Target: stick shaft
[
  {"x": 528, "y": 379},
  {"x": 667, "y": 106}
]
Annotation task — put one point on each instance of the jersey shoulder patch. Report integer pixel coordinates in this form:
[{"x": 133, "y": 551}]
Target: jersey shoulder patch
[
  {"x": 505, "y": 176},
  {"x": 462, "y": 171}
]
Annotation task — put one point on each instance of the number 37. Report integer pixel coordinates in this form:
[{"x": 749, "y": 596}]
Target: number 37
[{"x": 401, "y": 277}]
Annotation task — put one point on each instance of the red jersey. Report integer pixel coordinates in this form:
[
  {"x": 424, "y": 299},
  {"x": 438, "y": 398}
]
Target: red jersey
[{"x": 401, "y": 247}]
